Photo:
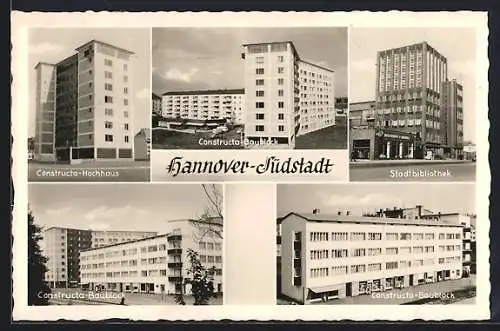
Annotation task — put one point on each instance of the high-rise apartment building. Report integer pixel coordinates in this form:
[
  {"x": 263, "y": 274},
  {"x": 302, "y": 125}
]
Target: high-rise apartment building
[
  {"x": 156, "y": 102},
  {"x": 334, "y": 256},
  {"x": 285, "y": 96},
  {"x": 62, "y": 247},
  {"x": 409, "y": 85},
  {"x": 87, "y": 100},
  {"x": 204, "y": 108},
  {"x": 452, "y": 117},
  {"x": 157, "y": 264}
]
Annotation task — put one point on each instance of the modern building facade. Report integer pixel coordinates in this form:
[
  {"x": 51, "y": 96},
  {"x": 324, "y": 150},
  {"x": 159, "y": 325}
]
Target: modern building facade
[
  {"x": 90, "y": 97},
  {"x": 203, "y": 109},
  {"x": 45, "y": 118},
  {"x": 453, "y": 118},
  {"x": 334, "y": 256},
  {"x": 62, "y": 247},
  {"x": 285, "y": 95},
  {"x": 156, "y": 102},
  {"x": 413, "y": 95},
  {"x": 156, "y": 264}
]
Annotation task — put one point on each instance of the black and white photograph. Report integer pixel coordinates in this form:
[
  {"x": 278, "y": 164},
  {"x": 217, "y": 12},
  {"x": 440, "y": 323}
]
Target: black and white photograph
[
  {"x": 412, "y": 106},
  {"x": 133, "y": 244},
  {"x": 89, "y": 104},
  {"x": 384, "y": 244},
  {"x": 249, "y": 88}
]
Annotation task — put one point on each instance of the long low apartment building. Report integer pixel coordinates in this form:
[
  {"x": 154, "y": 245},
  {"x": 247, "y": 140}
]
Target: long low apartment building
[
  {"x": 286, "y": 96},
  {"x": 62, "y": 248},
  {"x": 157, "y": 264},
  {"x": 336, "y": 256},
  {"x": 203, "y": 109}
]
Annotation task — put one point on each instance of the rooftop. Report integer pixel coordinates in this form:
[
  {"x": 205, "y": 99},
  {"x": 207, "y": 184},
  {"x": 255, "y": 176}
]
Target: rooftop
[
  {"x": 44, "y": 63},
  {"x": 310, "y": 217},
  {"x": 74, "y": 229},
  {"x": 207, "y": 92},
  {"x": 103, "y": 43}
]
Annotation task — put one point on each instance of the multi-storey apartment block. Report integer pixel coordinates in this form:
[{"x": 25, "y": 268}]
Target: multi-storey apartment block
[
  {"x": 203, "y": 109},
  {"x": 87, "y": 99},
  {"x": 62, "y": 247},
  {"x": 45, "y": 112},
  {"x": 452, "y": 117},
  {"x": 156, "y": 102},
  {"x": 285, "y": 96},
  {"x": 333, "y": 256},
  {"x": 409, "y": 94},
  {"x": 157, "y": 264}
]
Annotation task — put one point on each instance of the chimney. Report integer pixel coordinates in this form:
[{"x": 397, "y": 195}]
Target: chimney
[
  {"x": 348, "y": 213},
  {"x": 316, "y": 211},
  {"x": 419, "y": 210}
]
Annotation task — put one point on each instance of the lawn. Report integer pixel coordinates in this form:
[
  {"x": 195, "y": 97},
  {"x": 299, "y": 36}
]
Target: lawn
[
  {"x": 163, "y": 139},
  {"x": 333, "y": 137}
]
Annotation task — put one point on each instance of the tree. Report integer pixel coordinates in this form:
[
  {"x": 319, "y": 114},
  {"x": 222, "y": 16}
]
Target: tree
[
  {"x": 36, "y": 265},
  {"x": 211, "y": 219},
  {"x": 200, "y": 279}
]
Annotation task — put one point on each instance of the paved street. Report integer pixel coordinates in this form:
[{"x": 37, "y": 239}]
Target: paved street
[
  {"x": 334, "y": 137},
  {"x": 460, "y": 171},
  {"x": 119, "y": 171},
  {"x": 79, "y": 297}
]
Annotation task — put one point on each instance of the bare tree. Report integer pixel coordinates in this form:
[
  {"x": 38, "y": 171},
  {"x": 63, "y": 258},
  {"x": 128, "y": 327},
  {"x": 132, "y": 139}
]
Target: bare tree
[{"x": 212, "y": 218}]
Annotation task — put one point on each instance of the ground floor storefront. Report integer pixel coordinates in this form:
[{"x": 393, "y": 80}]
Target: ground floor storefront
[
  {"x": 76, "y": 155},
  {"x": 169, "y": 287},
  {"x": 369, "y": 286}
]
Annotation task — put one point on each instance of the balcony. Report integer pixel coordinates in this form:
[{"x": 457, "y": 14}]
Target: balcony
[
  {"x": 297, "y": 245},
  {"x": 174, "y": 251},
  {"x": 297, "y": 281},
  {"x": 174, "y": 237},
  {"x": 297, "y": 262},
  {"x": 175, "y": 264},
  {"x": 176, "y": 279}
]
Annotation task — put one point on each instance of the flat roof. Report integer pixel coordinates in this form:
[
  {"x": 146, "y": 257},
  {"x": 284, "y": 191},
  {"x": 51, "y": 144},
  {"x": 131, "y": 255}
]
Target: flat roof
[
  {"x": 317, "y": 65},
  {"x": 103, "y": 43},
  {"x": 361, "y": 102},
  {"x": 368, "y": 220},
  {"x": 127, "y": 242},
  {"x": 131, "y": 231},
  {"x": 207, "y": 92},
  {"x": 44, "y": 63}
]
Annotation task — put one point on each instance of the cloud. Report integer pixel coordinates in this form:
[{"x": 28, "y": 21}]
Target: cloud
[
  {"x": 338, "y": 201},
  {"x": 98, "y": 226},
  {"x": 45, "y": 48},
  {"x": 180, "y": 54},
  {"x": 177, "y": 74},
  {"x": 362, "y": 65},
  {"x": 217, "y": 72},
  {"x": 103, "y": 213},
  {"x": 58, "y": 211}
]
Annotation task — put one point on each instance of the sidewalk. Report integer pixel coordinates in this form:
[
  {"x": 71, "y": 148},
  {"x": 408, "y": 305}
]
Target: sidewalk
[{"x": 395, "y": 163}]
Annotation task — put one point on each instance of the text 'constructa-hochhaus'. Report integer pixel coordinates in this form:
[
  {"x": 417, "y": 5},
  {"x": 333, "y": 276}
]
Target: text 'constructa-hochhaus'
[
  {"x": 337, "y": 256},
  {"x": 283, "y": 97},
  {"x": 84, "y": 106}
]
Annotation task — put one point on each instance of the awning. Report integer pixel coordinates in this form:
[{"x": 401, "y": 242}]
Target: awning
[{"x": 326, "y": 288}]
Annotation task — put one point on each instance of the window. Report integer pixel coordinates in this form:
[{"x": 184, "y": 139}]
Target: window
[
  {"x": 259, "y": 116},
  {"x": 108, "y": 125},
  {"x": 281, "y": 116},
  {"x": 125, "y": 90},
  {"x": 281, "y": 70},
  {"x": 108, "y": 74},
  {"x": 259, "y": 59},
  {"x": 259, "y": 71},
  {"x": 357, "y": 252},
  {"x": 108, "y": 87},
  {"x": 108, "y": 62},
  {"x": 391, "y": 250},
  {"x": 281, "y": 104},
  {"x": 108, "y": 99},
  {"x": 259, "y": 128},
  {"x": 125, "y": 67},
  {"x": 374, "y": 251},
  {"x": 374, "y": 236},
  {"x": 125, "y": 114},
  {"x": 108, "y": 112},
  {"x": 126, "y": 139},
  {"x": 125, "y": 102},
  {"x": 126, "y": 126},
  {"x": 339, "y": 253},
  {"x": 281, "y": 58},
  {"x": 259, "y": 82},
  {"x": 391, "y": 265},
  {"x": 280, "y": 93},
  {"x": 125, "y": 79},
  {"x": 259, "y": 93},
  {"x": 108, "y": 137},
  {"x": 259, "y": 104},
  {"x": 281, "y": 128},
  {"x": 358, "y": 236},
  {"x": 358, "y": 268},
  {"x": 281, "y": 81},
  {"x": 339, "y": 236}
]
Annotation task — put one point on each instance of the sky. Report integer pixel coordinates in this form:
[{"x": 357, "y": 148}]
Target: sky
[
  {"x": 360, "y": 198},
  {"x": 458, "y": 45},
  {"x": 136, "y": 207},
  {"x": 55, "y": 44},
  {"x": 210, "y": 58}
]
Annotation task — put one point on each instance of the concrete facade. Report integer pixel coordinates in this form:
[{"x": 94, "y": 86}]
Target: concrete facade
[
  {"x": 45, "y": 104},
  {"x": 333, "y": 256}
]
